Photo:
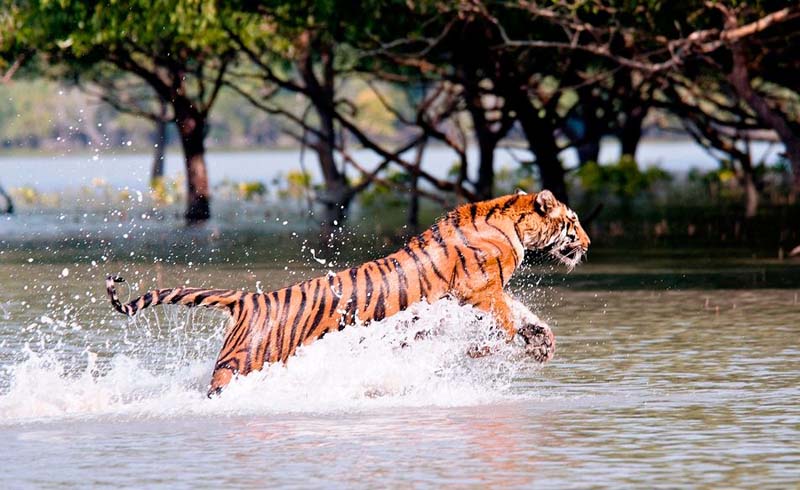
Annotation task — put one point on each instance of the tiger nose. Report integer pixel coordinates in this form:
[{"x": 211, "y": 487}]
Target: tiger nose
[{"x": 584, "y": 240}]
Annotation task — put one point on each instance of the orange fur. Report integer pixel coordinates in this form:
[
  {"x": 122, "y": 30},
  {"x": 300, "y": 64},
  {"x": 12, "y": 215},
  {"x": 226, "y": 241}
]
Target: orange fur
[{"x": 469, "y": 254}]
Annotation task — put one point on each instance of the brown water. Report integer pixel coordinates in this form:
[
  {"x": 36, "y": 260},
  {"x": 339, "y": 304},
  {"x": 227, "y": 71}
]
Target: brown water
[{"x": 668, "y": 374}]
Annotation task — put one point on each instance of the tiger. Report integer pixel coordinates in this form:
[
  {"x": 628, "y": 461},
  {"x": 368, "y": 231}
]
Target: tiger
[{"x": 469, "y": 254}]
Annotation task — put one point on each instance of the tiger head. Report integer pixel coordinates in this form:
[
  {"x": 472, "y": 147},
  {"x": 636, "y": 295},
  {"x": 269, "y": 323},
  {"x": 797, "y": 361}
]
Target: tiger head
[{"x": 553, "y": 227}]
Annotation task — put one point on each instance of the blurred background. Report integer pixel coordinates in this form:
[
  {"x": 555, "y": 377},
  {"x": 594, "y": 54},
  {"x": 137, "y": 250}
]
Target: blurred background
[{"x": 664, "y": 125}]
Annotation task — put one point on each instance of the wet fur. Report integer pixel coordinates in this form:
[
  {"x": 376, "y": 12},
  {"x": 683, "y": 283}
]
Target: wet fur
[{"x": 469, "y": 254}]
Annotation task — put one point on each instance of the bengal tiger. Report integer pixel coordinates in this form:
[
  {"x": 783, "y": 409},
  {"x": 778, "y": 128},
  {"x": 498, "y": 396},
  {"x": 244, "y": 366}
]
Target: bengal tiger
[{"x": 469, "y": 254}]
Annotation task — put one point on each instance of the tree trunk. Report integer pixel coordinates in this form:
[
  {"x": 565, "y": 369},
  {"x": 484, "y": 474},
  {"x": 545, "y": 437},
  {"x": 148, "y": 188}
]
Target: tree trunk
[
  {"x": 159, "y": 147},
  {"x": 413, "y": 201},
  {"x": 586, "y": 129},
  {"x": 487, "y": 142},
  {"x": 157, "y": 169},
  {"x": 740, "y": 79},
  {"x": 335, "y": 204},
  {"x": 751, "y": 195},
  {"x": 320, "y": 91},
  {"x": 192, "y": 130},
  {"x": 9, "y": 205},
  {"x": 589, "y": 151},
  {"x": 413, "y": 206},
  {"x": 542, "y": 144},
  {"x": 484, "y": 189},
  {"x": 631, "y": 132},
  {"x": 747, "y": 179},
  {"x": 552, "y": 174},
  {"x": 336, "y": 197}
]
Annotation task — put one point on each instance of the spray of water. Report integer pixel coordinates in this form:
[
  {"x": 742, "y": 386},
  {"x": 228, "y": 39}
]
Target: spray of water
[{"x": 415, "y": 358}]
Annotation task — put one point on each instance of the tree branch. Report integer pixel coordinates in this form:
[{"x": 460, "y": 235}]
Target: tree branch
[{"x": 9, "y": 74}]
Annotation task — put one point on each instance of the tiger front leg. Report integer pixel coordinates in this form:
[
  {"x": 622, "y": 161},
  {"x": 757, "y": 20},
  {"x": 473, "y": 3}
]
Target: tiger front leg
[
  {"x": 540, "y": 343},
  {"x": 495, "y": 304}
]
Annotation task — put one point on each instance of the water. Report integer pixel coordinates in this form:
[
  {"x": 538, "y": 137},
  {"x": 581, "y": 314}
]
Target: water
[
  {"x": 668, "y": 374},
  {"x": 123, "y": 168}
]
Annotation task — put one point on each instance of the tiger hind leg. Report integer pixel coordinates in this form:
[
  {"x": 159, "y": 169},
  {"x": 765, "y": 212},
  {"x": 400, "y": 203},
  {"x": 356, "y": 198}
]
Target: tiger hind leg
[
  {"x": 233, "y": 360},
  {"x": 219, "y": 380}
]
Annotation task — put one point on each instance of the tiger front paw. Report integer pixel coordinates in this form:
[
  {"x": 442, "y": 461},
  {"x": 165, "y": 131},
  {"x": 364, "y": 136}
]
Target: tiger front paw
[{"x": 540, "y": 343}]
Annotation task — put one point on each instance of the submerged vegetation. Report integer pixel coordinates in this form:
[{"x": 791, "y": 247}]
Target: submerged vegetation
[{"x": 639, "y": 206}]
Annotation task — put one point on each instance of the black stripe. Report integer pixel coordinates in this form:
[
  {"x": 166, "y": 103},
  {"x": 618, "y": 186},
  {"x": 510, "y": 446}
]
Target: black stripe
[
  {"x": 320, "y": 312},
  {"x": 490, "y": 213},
  {"x": 367, "y": 289},
  {"x": 353, "y": 304},
  {"x": 350, "y": 308},
  {"x": 264, "y": 345},
  {"x": 338, "y": 296},
  {"x": 380, "y": 306},
  {"x": 248, "y": 362},
  {"x": 225, "y": 295},
  {"x": 463, "y": 260},
  {"x": 280, "y": 324},
  {"x": 511, "y": 202},
  {"x": 297, "y": 317},
  {"x": 475, "y": 251},
  {"x": 423, "y": 276},
  {"x": 314, "y": 307},
  {"x": 423, "y": 248},
  {"x": 500, "y": 268},
  {"x": 231, "y": 364},
  {"x": 402, "y": 284},
  {"x": 203, "y": 296},
  {"x": 234, "y": 337},
  {"x": 437, "y": 236},
  {"x": 508, "y": 239}
]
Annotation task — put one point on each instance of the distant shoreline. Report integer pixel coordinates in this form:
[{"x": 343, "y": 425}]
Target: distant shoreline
[
  {"x": 174, "y": 147},
  {"x": 130, "y": 167}
]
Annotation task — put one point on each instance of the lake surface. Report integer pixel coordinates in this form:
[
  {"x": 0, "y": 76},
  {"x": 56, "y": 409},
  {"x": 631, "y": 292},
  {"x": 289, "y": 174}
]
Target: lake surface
[
  {"x": 130, "y": 166},
  {"x": 671, "y": 372}
]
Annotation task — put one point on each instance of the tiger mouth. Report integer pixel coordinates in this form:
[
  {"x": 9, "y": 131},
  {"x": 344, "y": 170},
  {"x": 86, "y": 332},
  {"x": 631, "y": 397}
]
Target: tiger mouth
[{"x": 570, "y": 254}]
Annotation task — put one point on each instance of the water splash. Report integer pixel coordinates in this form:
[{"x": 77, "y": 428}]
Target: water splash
[{"x": 415, "y": 358}]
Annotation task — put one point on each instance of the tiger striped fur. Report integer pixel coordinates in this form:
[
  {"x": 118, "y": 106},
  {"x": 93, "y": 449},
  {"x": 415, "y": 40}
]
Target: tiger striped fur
[{"x": 468, "y": 254}]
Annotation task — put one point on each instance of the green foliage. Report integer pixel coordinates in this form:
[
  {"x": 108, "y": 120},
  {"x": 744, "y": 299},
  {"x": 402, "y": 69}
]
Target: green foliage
[
  {"x": 93, "y": 30},
  {"x": 295, "y": 185},
  {"x": 622, "y": 180},
  {"x": 175, "y": 50},
  {"x": 165, "y": 191},
  {"x": 508, "y": 179},
  {"x": 387, "y": 194},
  {"x": 252, "y": 190},
  {"x": 177, "y": 47}
]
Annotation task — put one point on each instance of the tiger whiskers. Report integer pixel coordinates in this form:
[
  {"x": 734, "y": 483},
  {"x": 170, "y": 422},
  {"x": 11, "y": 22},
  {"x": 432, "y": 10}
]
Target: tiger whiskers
[{"x": 571, "y": 258}]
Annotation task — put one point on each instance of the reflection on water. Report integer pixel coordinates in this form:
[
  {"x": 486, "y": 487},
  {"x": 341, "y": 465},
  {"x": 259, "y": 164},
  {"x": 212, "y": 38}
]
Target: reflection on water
[{"x": 652, "y": 387}]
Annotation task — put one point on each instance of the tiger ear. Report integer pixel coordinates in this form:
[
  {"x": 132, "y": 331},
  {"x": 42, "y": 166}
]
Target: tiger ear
[
  {"x": 520, "y": 192},
  {"x": 545, "y": 203}
]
